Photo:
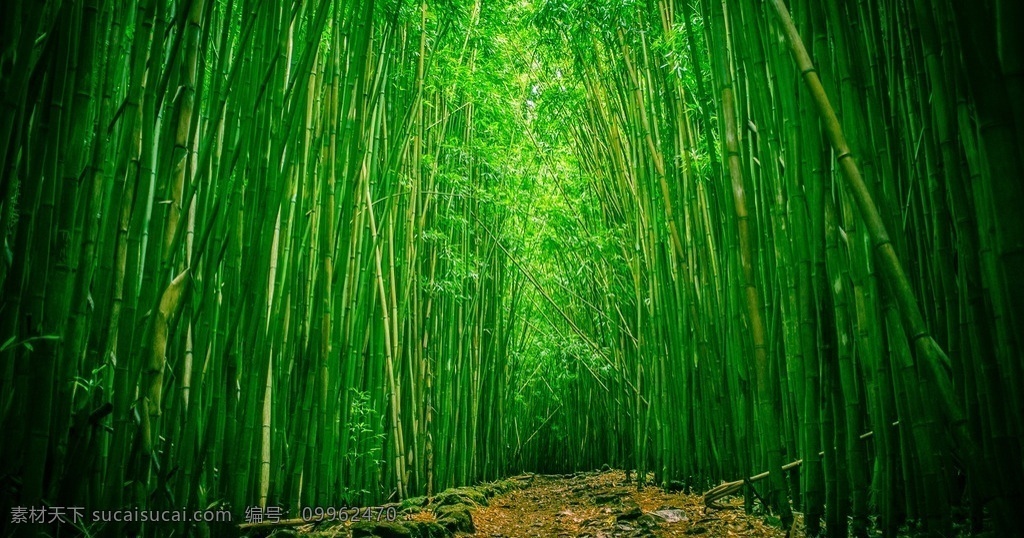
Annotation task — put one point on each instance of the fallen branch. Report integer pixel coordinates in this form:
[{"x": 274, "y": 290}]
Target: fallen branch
[{"x": 731, "y": 488}]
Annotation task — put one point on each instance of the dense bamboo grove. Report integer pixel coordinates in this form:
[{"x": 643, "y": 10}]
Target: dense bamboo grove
[{"x": 346, "y": 252}]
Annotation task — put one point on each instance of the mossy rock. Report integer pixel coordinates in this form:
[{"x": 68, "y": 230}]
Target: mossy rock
[
  {"x": 473, "y": 494},
  {"x": 427, "y": 529},
  {"x": 413, "y": 504},
  {"x": 488, "y": 490},
  {"x": 384, "y": 529},
  {"x": 443, "y": 511},
  {"x": 455, "y": 519},
  {"x": 498, "y": 487},
  {"x": 463, "y": 495}
]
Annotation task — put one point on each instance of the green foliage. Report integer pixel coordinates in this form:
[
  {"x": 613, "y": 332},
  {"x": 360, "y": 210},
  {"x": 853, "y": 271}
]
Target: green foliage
[{"x": 289, "y": 253}]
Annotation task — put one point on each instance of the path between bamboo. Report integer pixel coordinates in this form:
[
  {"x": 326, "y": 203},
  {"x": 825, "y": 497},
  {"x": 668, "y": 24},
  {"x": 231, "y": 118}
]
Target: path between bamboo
[
  {"x": 601, "y": 505},
  {"x": 580, "y": 505}
]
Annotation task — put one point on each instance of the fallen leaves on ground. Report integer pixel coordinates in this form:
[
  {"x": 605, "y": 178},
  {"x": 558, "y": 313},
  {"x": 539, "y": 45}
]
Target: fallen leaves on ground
[{"x": 604, "y": 505}]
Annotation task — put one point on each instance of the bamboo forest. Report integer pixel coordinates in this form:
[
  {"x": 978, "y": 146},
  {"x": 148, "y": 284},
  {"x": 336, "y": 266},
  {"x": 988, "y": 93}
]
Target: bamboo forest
[{"x": 501, "y": 268}]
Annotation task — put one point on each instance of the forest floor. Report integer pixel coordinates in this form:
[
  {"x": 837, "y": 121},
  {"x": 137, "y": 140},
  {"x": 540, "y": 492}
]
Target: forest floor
[
  {"x": 590, "y": 505},
  {"x": 604, "y": 505}
]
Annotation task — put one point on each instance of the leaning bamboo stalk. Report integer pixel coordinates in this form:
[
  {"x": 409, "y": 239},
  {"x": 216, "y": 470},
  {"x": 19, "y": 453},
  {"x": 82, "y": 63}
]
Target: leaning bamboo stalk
[
  {"x": 935, "y": 360},
  {"x": 936, "y": 363}
]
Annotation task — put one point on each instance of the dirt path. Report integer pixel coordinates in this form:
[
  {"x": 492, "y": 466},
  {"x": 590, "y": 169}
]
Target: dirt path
[
  {"x": 599, "y": 505},
  {"x": 582, "y": 505}
]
